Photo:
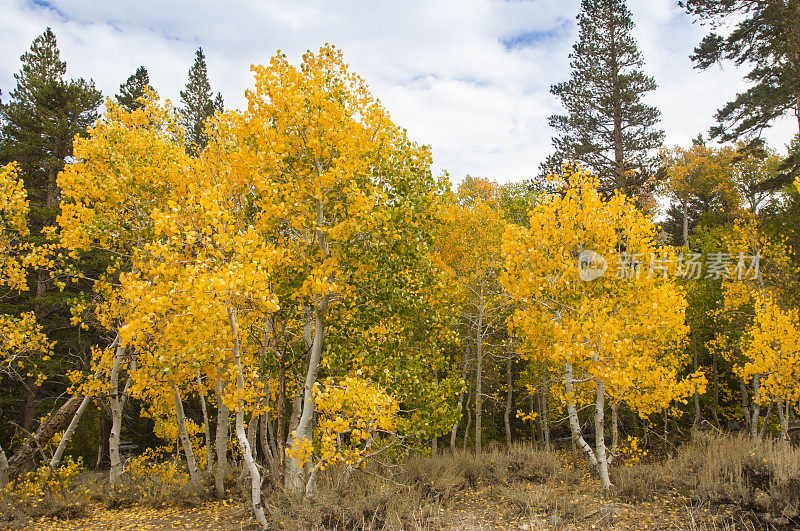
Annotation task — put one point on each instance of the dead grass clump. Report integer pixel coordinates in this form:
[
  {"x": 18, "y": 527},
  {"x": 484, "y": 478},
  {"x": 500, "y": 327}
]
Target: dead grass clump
[
  {"x": 526, "y": 463},
  {"x": 366, "y": 501},
  {"x": 724, "y": 469},
  {"x": 762, "y": 476}
]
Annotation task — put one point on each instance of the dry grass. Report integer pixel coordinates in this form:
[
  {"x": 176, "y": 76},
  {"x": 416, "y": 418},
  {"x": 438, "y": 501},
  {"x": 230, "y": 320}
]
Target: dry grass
[
  {"x": 758, "y": 485},
  {"x": 722, "y": 469}
]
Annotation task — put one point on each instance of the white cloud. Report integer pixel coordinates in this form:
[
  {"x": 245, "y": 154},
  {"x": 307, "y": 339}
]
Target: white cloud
[{"x": 441, "y": 68}]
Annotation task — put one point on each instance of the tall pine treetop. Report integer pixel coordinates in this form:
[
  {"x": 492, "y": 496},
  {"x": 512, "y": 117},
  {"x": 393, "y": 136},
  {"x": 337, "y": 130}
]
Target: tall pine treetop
[
  {"x": 41, "y": 64},
  {"x": 607, "y": 128},
  {"x": 197, "y": 103},
  {"x": 765, "y": 35},
  {"x": 133, "y": 89},
  {"x": 43, "y": 115}
]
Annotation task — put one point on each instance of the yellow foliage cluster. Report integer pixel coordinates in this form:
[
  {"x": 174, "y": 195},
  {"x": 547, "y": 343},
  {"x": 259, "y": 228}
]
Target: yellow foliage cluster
[
  {"x": 771, "y": 348},
  {"x": 623, "y": 330},
  {"x": 44, "y": 481},
  {"x": 357, "y": 419}
]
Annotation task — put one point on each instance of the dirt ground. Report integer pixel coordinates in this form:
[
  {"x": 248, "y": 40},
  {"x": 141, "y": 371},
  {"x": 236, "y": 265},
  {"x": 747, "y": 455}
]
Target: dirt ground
[{"x": 481, "y": 509}]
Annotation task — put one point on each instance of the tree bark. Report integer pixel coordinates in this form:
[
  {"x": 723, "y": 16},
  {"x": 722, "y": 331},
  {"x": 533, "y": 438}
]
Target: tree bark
[
  {"x": 62, "y": 444},
  {"x": 745, "y": 404},
  {"x": 600, "y": 436},
  {"x": 118, "y": 401},
  {"x": 244, "y": 443},
  {"x": 24, "y": 459},
  {"x": 783, "y": 415},
  {"x": 756, "y": 406},
  {"x": 572, "y": 415},
  {"x": 104, "y": 428},
  {"x": 614, "y": 429},
  {"x": 221, "y": 439},
  {"x": 293, "y": 471},
  {"x": 764, "y": 423},
  {"x": 715, "y": 405},
  {"x": 206, "y": 425},
  {"x": 544, "y": 407},
  {"x": 454, "y": 431},
  {"x": 696, "y": 421},
  {"x": 186, "y": 442},
  {"x": 479, "y": 378},
  {"x": 3, "y": 468},
  {"x": 469, "y": 419},
  {"x": 509, "y": 398}
]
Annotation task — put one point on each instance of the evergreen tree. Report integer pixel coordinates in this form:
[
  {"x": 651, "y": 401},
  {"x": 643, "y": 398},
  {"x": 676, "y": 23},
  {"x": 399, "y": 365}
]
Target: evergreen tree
[
  {"x": 43, "y": 115},
  {"x": 133, "y": 89},
  {"x": 766, "y": 36},
  {"x": 40, "y": 120},
  {"x": 608, "y": 128},
  {"x": 197, "y": 103}
]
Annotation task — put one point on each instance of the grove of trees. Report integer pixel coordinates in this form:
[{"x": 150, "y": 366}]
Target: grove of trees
[{"x": 287, "y": 287}]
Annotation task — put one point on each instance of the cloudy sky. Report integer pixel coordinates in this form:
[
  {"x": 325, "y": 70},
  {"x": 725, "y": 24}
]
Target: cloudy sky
[{"x": 469, "y": 77}]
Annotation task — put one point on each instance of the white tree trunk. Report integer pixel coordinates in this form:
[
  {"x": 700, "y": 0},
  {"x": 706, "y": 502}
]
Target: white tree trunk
[
  {"x": 756, "y": 406},
  {"x": 783, "y": 415},
  {"x": 206, "y": 425},
  {"x": 186, "y": 442},
  {"x": 600, "y": 435},
  {"x": 509, "y": 398},
  {"x": 294, "y": 470},
  {"x": 479, "y": 378},
  {"x": 221, "y": 439},
  {"x": 117, "y": 405},
  {"x": 544, "y": 406},
  {"x": 62, "y": 444},
  {"x": 614, "y": 431},
  {"x": 244, "y": 444},
  {"x": 251, "y": 431},
  {"x": 572, "y": 414},
  {"x": 454, "y": 431},
  {"x": 3, "y": 468}
]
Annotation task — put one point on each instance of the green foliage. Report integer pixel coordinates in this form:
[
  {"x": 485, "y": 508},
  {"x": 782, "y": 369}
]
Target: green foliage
[
  {"x": 197, "y": 104},
  {"x": 765, "y": 38},
  {"x": 607, "y": 127},
  {"x": 134, "y": 88}
]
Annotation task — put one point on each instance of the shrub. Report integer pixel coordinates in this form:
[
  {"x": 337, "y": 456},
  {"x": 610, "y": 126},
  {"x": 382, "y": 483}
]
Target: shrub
[{"x": 46, "y": 492}]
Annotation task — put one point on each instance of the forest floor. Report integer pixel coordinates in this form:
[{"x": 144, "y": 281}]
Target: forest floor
[
  {"x": 482, "y": 508},
  {"x": 712, "y": 482}
]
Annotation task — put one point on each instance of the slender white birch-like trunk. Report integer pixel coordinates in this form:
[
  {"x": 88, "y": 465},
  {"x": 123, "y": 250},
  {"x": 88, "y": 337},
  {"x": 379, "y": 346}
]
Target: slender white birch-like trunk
[
  {"x": 117, "y": 405},
  {"x": 3, "y": 468},
  {"x": 221, "y": 439},
  {"x": 294, "y": 470},
  {"x": 244, "y": 443},
  {"x": 206, "y": 425},
  {"x": 756, "y": 406},
  {"x": 479, "y": 378},
  {"x": 454, "y": 431},
  {"x": 572, "y": 414},
  {"x": 62, "y": 444},
  {"x": 600, "y": 436},
  {"x": 186, "y": 442},
  {"x": 509, "y": 398}
]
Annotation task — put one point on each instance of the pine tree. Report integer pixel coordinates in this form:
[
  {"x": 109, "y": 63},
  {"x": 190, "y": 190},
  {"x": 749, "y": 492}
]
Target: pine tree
[
  {"x": 608, "y": 128},
  {"x": 766, "y": 36},
  {"x": 198, "y": 105},
  {"x": 133, "y": 89},
  {"x": 43, "y": 115}
]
